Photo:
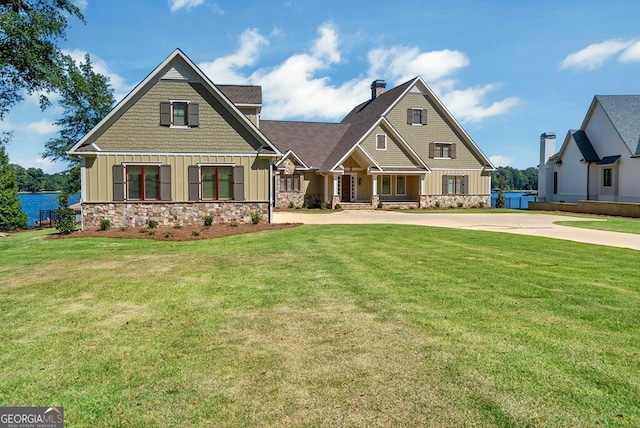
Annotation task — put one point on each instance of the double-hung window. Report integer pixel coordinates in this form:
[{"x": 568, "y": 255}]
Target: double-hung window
[
  {"x": 454, "y": 184},
  {"x": 179, "y": 114},
  {"x": 217, "y": 182},
  {"x": 442, "y": 150},
  {"x": 141, "y": 182},
  {"x": 290, "y": 183},
  {"x": 386, "y": 185},
  {"x": 416, "y": 116}
]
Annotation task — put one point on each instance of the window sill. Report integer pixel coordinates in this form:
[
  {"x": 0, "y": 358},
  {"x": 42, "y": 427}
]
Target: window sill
[{"x": 179, "y": 127}]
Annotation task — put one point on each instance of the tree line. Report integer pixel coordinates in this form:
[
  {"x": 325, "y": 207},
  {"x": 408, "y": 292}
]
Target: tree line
[
  {"x": 32, "y": 63},
  {"x": 507, "y": 178}
]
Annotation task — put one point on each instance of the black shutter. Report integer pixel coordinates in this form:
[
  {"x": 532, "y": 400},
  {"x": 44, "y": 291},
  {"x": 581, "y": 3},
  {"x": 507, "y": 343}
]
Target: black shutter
[
  {"x": 194, "y": 183},
  {"x": 165, "y": 114},
  {"x": 445, "y": 184},
  {"x": 165, "y": 183},
  {"x": 194, "y": 114},
  {"x": 432, "y": 150},
  {"x": 423, "y": 117},
  {"x": 465, "y": 185},
  {"x": 118, "y": 182},
  {"x": 238, "y": 183},
  {"x": 452, "y": 151},
  {"x": 410, "y": 116}
]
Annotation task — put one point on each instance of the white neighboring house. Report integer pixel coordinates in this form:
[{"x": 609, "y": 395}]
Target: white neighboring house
[{"x": 598, "y": 162}]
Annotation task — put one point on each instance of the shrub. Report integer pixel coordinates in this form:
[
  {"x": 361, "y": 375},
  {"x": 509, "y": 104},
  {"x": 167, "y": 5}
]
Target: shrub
[
  {"x": 460, "y": 204},
  {"x": 66, "y": 222},
  {"x": 234, "y": 224},
  {"x": 500, "y": 200},
  {"x": 152, "y": 224},
  {"x": 380, "y": 204},
  {"x": 195, "y": 233},
  {"x": 168, "y": 234},
  {"x": 292, "y": 204},
  {"x": 437, "y": 204},
  {"x": 208, "y": 220},
  {"x": 256, "y": 216},
  {"x": 338, "y": 206},
  {"x": 105, "y": 224},
  {"x": 481, "y": 204},
  {"x": 323, "y": 205}
]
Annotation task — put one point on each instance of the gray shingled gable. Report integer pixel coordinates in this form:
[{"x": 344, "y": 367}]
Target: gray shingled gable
[{"x": 624, "y": 113}]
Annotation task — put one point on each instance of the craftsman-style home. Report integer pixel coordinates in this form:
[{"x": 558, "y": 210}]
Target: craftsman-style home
[{"x": 180, "y": 147}]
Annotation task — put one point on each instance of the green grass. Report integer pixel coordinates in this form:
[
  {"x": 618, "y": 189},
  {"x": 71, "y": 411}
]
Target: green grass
[
  {"x": 612, "y": 224},
  {"x": 372, "y": 325}
]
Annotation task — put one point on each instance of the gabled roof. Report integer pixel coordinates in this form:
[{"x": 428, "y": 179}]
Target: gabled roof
[
  {"x": 582, "y": 142},
  {"x": 364, "y": 117},
  {"x": 624, "y": 113},
  {"x": 311, "y": 141},
  {"x": 175, "y": 64}
]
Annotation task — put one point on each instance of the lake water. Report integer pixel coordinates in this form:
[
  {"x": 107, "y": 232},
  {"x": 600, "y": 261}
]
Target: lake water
[
  {"x": 32, "y": 203},
  {"x": 513, "y": 200}
]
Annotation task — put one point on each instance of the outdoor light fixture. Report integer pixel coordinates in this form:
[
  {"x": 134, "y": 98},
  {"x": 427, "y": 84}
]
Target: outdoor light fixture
[{"x": 359, "y": 181}]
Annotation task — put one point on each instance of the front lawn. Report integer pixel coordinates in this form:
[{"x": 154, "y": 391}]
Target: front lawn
[
  {"x": 366, "y": 325},
  {"x": 612, "y": 224}
]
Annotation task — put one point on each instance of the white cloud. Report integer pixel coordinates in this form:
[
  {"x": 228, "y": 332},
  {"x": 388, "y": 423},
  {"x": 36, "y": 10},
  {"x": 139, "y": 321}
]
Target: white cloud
[
  {"x": 120, "y": 87},
  {"x": 82, "y": 4},
  {"x": 499, "y": 160},
  {"x": 631, "y": 54},
  {"x": 224, "y": 69},
  {"x": 466, "y": 104},
  {"x": 296, "y": 89},
  {"x": 184, "y": 4},
  {"x": 595, "y": 55},
  {"x": 41, "y": 127}
]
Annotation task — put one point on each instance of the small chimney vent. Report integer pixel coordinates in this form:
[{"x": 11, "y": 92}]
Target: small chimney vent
[{"x": 377, "y": 88}]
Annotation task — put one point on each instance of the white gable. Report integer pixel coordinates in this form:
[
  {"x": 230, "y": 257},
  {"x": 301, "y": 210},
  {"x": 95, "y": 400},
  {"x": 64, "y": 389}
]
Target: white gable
[{"x": 179, "y": 71}]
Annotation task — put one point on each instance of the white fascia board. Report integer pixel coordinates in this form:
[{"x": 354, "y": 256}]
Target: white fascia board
[
  {"x": 337, "y": 168},
  {"x": 362, "y": 137},
  {"x": 104, "y": 153},
  {"x": 404, "y": 143},
  {"x": 291, "y": 153}
]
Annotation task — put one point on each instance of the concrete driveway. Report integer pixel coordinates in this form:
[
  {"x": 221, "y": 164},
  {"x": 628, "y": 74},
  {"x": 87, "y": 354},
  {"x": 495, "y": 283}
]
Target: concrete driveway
[{"x": 520, "y": 223}]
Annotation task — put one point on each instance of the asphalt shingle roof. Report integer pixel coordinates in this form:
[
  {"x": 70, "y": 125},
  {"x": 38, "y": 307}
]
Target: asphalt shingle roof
[
  {"x": 586, "y": 148},
  {"x": 242, "y": 94},
  {"x": 624, "y": 113}
]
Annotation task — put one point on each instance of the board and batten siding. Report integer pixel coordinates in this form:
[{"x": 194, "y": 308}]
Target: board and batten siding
[
  {"x": 394, "y": 155},
  {"x": 139, "y": 129},
  {"x": 478, "y": 182},
  {"x": 99, "y": 174},
  {"x": 438, "y": 129}
]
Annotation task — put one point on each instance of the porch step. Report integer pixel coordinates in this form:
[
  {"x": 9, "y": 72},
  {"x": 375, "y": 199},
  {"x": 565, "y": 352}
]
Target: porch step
[{"x": 355, "y": 206}]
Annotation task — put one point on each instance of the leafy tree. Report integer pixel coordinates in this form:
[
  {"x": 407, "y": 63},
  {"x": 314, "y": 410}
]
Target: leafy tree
[
  {"x": 66, "y": 222},
  {"x": 86, "y": 98},
  {"x": 30, "y": 58},
  {"x": 11, "y": 215}
]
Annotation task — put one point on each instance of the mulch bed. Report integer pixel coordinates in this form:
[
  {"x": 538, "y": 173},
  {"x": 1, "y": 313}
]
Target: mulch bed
[{"x": 177, "y": 233}]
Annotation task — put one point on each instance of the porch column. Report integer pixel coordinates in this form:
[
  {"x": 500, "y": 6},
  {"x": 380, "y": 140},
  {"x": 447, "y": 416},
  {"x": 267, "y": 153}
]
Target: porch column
[
  {"x": 335, "y": 198},
  {"x": 375, "y": 199},
  {"x": 326, "y": 188},
  {"x": 422, "y": 202}
]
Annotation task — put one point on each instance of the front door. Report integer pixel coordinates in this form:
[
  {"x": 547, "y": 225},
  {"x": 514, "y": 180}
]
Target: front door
[{"x": 346, "y": 189}]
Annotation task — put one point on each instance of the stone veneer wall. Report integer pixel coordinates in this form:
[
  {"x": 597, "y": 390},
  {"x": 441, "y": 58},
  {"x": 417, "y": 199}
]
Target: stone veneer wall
[
  {"x": 447, "y": 201},
  {"x": 128, "y": 214}
]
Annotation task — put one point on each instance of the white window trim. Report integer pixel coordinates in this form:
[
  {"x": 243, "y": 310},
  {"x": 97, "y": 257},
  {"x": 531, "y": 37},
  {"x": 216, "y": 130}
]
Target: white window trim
[
  {"x": 385, "y": 142},
  {"x": 442, "y": 143},
  {"x": 405, "y": 185},
  {"x": 187, "y": 112}
]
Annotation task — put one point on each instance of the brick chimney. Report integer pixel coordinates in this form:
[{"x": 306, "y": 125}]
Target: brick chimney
[{"x": 377, "y": 88}]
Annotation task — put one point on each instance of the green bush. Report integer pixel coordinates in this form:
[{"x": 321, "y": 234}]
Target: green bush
[
  {"x": 66, "y": 222},
  {"x": 152, "y": 224},
  {"x": 208, "y": 220},
  {"x": 338, "y": 206},
  {"x": 500, "y": 200},
  {"x": 168, "y": 234},
  {"x": 437, "y": 204},
  {"x": 380, "y": 204},
  {"x": 105, "y": 224},
  {"x": 323, "y": 205},
  {"x": 481, "y": 204},
  {"x": 292, "y": 204},
  {"x": 256, "y": 216},
  {"x": 460, "y": 204},
  {"x": 195, "y": 233}
]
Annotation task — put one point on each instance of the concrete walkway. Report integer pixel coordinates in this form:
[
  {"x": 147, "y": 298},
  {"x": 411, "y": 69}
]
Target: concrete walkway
[{"x": 520, "y": 223}]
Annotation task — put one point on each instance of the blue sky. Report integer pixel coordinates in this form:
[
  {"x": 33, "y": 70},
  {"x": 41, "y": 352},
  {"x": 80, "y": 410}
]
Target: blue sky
[{"x": 507, "y": 70}]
